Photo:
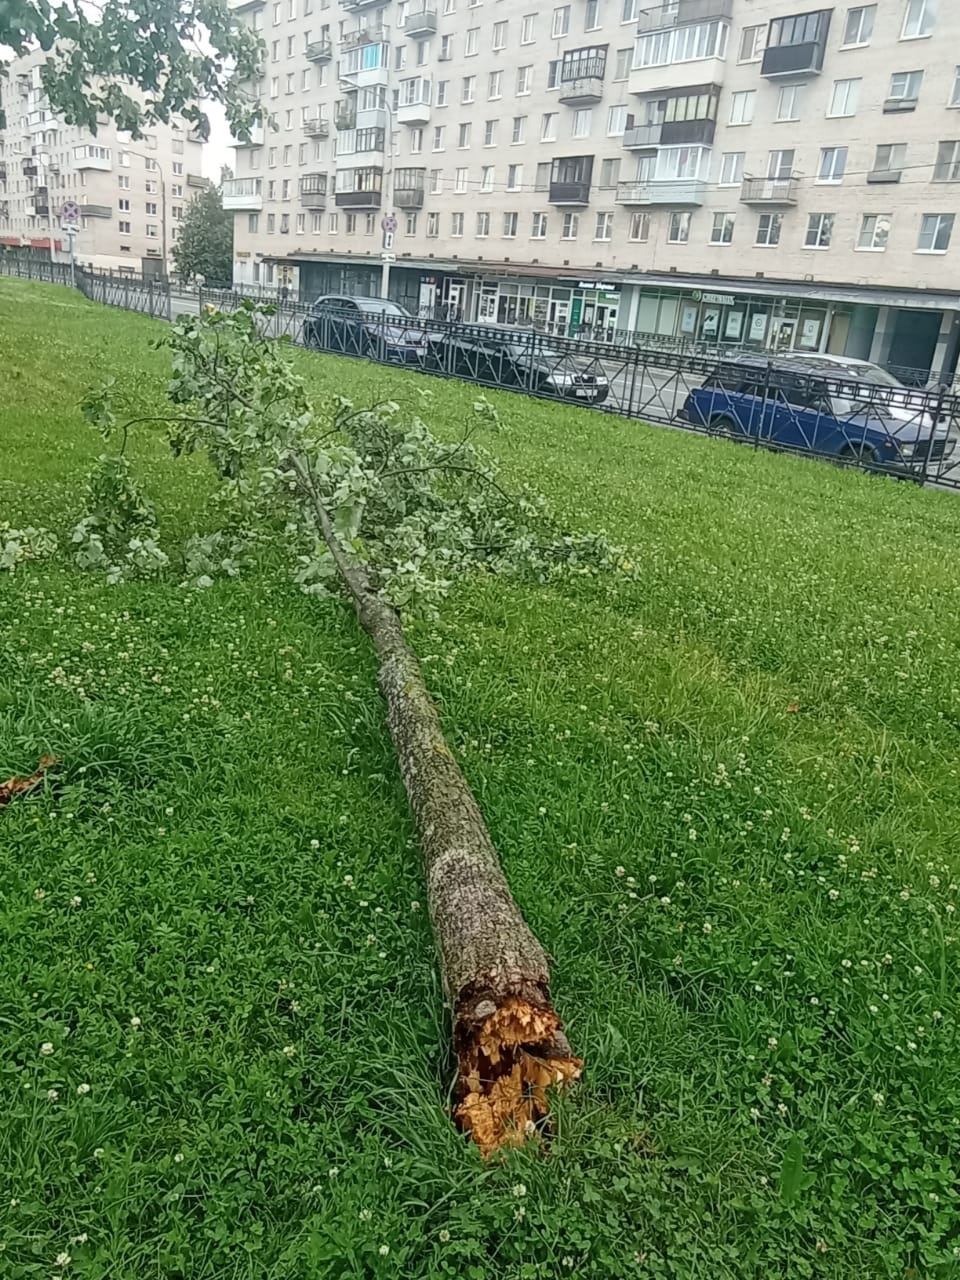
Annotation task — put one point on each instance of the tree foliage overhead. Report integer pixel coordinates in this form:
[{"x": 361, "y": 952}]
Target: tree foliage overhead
[
  {"x": 205, "y": 243},
  {"x": 138, "y": 62}
]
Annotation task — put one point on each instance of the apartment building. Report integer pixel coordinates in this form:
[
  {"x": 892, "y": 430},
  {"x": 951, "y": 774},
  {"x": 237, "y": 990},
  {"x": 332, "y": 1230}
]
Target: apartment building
[
  {"x": 131, "y": 194},
  {"x": 753, "y": 173}
]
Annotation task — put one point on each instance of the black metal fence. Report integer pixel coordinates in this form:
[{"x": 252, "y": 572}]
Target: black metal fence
[{"x": 800, "y": 404}]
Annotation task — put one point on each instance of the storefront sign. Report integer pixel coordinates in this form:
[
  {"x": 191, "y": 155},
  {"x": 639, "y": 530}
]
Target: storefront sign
[
  {"x": 688, "y": 319},
  {"x": 758, "y": 328},
  {"x": 720, "y": 299},
  {"x": 603, "y": 286},
  {"x": 576, "y": 311},
  {"x": 734, "y": 325},
  {"x": 810, "y": 333},
  {"x": 711, "y": 320}
]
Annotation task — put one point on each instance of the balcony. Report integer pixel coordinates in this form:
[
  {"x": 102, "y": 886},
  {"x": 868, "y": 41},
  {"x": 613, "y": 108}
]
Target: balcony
[
  {"x": 577, "y": 193},
  {"x": 345, "y": 119},
  {"x": 644, "y": 81},
  {"x": 357, "y": 6},
  {"x": 41, "y": 210},
  {"x": 877, "y": 176},
  {"x": 421, "y": 25},
  {"x": 795, "y": 45},
  {"x": 581, "y": 93},
  {"x": 255, "y": 139},
  {"x": 688, "y": 133},
  {"x": 196, "y": 180},
  {"x": 642, "y": 137},
  {"x": 313, "y": 191},
  {"x": 241, "y": 6},
  {"x": 242, "y": 194},
  {"x": 317, "y": 128},
  {"x": 96, "y": 210},
  {"x": 769, "y": 191},
  {"x": 675, "y": 192},
  {"x": 408, "y": 188},
  {"x": 414, "y": 105},
  {"x": 682, "y": 13},
  {"x": 364, "y": 35},
  {"x": 357, "y": 199},
  {"x": 88, "y": 158},
  {"x": 373, "y": 118},
  {"x": 319, "y": 51}
]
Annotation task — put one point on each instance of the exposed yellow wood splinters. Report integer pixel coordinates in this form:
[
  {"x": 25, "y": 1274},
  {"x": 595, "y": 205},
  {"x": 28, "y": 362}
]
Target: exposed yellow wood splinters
[{"x": 506, "y": 1068}]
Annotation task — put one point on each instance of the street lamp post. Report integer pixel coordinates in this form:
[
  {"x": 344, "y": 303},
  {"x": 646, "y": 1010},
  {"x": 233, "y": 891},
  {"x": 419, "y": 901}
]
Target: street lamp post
[{"x": 386, "y": 251}]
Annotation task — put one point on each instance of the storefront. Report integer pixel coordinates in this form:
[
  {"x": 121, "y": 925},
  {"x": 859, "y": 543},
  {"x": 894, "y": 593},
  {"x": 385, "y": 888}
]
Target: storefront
[{"x": 585, "y": 308}]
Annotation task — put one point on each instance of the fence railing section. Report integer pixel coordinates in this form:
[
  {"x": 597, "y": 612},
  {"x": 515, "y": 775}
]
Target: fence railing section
[{"x": 790, "y": 403}]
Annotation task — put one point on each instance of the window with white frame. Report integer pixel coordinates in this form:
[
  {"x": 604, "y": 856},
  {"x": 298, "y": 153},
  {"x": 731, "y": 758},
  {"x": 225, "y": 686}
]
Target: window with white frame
[
  {"x": 487, "y": 174},
  {"x": 468, "y": 89},
  {"x": 935, "y": 232},
  {"x": 489, "y": 133},
  {"x": 301, "y": 223},
  {"x": 845, "y": 97},
  {"x": 460, "y": 180},
  {"x": 769, "y": 226},
  {"x": 483, "y": 225},
  {"x": 548, "y": 127},
  {"x": 833, "y": 164},
  {"x": 722, "y": 230},
  {"x": 472, "y": 46},
  {"x": 463, "y": 136},
  {"x": 904, "y": 88},
  {"x": 752, "y": 42},
  {"x": 123, "y": 206},
  {"x": 678, "y": 227},
  {"x": 456, "y": 224},
  {"x": 499, "y": 36},
  {"x": 570, "y": 226},
  {"x": 316, "y": 223},
  {"x": 686, "y": 43},
  {"x": 780, "y": 165},
  {"x": 859, "y": 25},
  {"x": 443, "y": 89},
  {"x": 438, "y": 137},
  {"x": 582, "y": 123},
  {"x": 731, "y": 168},
  {"x": 436, "y": 181},
  {"x": 955, "y": 91},
  {"x": 123, "y": 228},
  {"x": 510, "y": 221},
  {"x": 742, "y": 105},
  {"x": 542, "y": 179},
  {"x": 604, "y": 227},
  {"x": 919, "y": 19},
  {"x": 819, "y": 231},
  {"x": 554, "y": 67},
  {"x": 524, "y": 79},
  {"x": 890, "y": 161},
  {"x": 333, "y": 224},
  {"x": 788, "y": 102},
  {"x": 874, "y": 232},
  {"x": 527, "y": 28},
  {"x": 495, "y": 85},
  {"x": 152, "y": 231},
  {"x": 446, "y": 48},
  {"x": 639, "y": 227},
  {"x": 616, "y": 121},
  {"x": 416, "y": 141},
  {"x": 591, "y": 15},
  {"x": 561, "y": 22},
  {"x": 609, "y": 173},
  {"x": 124, "y": 181},
  {"x": 518, "y": 130},
  {"x": 538, "y": 228},
  {"x": 622, "y": 64},
  {"x": 630, "y": 11},
  {"x": 433, "y": 225},
  {"x": 947, "y": 167}
]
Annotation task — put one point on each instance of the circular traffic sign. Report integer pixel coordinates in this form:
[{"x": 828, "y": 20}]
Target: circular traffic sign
[
  {"x": 70, "y": 212},
  {"x": 389, "y": 223}
]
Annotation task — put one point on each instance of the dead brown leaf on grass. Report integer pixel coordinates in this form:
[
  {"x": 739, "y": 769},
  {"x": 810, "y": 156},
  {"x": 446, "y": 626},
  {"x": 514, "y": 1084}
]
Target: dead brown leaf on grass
[{"x": 17, "y": 786}]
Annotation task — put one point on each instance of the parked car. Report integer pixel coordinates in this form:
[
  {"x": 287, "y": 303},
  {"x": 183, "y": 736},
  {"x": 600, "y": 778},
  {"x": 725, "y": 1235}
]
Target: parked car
[
  {"x": 373, "y": 327},
  {"x": 817, "y": 410},
  {"x": 847, "y": 367},
  {"x": 518, "y": 361}
]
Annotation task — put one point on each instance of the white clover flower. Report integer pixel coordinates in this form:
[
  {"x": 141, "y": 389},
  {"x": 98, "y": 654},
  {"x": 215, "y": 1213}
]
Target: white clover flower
[
  {"x": 46, "y": 1048},
  {"x": 83, "y": 1089}
]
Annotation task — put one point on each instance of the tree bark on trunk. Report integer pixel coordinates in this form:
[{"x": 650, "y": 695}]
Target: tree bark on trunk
[{"x": 508, "y": 1039}]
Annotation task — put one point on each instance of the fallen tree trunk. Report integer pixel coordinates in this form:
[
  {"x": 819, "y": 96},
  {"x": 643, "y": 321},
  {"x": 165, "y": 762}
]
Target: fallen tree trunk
[{"x": 508, "y": 1039}]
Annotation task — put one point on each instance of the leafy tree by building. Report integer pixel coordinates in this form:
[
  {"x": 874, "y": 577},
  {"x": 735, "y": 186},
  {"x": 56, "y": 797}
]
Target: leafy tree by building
[{"x": 204, "y": 246}]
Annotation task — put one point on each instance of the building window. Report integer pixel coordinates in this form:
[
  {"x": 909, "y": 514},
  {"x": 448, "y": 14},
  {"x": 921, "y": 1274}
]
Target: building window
[
  {"x": 468, "y": 89},
  {"x": 561, "y": 22},
  {"x": 752, "y": 41},
  {"x": 780, "y": 165},
  {"x": 548, "y": 127},
  {"x": 456, "y": 224},
  {"x": 490, "y": 133},
  {"x": 152, "y": 231},
  {"x": 460, "y": 177},
  {"x": 446, "y": 48},
  {"x": 253, "y": 223},
  {"x": 819, "y": 231},
  {"x": 527, "y": 24},
  {"x": 410, "y": 224},
  {"x": 542, "y": 180},
  {"x": 788, "y": 102},
  {"x": 442, "y": 86},
  {"x": 124, "y": 181},
  {"x": 769, "y": 226},
  {"x": 177, "y": 167},
  {"x": 731, "y": 168},
  {"x": 889, "y": 163},
  {"x": 624, "y": 61},
  {"x": 722, "y": 230},
  {"x": 275, "y": 87},
  {"x": 640, "y": 227},
  {"x": 150, "y": 209},
  {"x": 438, "y": 137},
  {"x": 904, "y": 90},
  {"x": 678, "y": 228},
  {"x": 124, "y": 228},
  {"x": 919, "y": 19},
  {"x": 350, "y": 224},
  {"x": 510, "y": 221},
  {"x": 123, "y": 206},
  {"x": 833, "y": 164},
  {"x": 483, "y": 226},
  {"x": 524, "y": 79},
  {"x": 473, "y": 42},
  {"x": 284, "y": 224},
  {"x": 495, "y": 85},
  {"x": 499, "y": 36},
  {"x": 486, "y": 178},
  {"x": 874, "y": 231},
  {"x": 436, "y": 181},
  {"x": 859, "y": 25},
  {"x": 582, "y": 123},
  {"x": 935, "y": 232},
  {"x": 416, "y": 141},
  {"x": 591, "y": 16},
  {"x": 570, "y": 227},
  {"x": 616, "y": 121},
  {"x": 433, "y": 226},
  {"x": 604, "y": 227},
  {"x": 272, "y": 189},
  {"x": 538, "y": 230},
  {"x": 955, "y": 91},
  {"x": 742, "y": 105},
  {"x": 845, "y": 98},
  {"x": 947, "y": 168},
  {"x": 681, "y": 44},
  {"x": 463, "y": 136},
  {"x": 301, "y": 223},
  {"x": 285, "y": 189},
  {"x": 609, "y": 173}
]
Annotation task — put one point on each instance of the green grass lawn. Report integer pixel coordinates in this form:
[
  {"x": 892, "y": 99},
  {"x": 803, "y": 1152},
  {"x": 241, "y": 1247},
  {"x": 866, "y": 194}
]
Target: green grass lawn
[{"x": 726, "y": 796}]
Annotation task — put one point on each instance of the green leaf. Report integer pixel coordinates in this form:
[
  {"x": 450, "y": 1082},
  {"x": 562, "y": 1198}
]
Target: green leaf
[{"x": 791, "y": 1171}]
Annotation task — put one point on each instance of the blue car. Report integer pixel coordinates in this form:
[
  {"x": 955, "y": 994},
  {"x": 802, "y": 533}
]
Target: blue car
[{"x": 818, "y": 411}]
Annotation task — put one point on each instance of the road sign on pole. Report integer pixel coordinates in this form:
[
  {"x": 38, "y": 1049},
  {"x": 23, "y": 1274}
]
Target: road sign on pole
[
  {"x": 70, "y": 214},
  {"x": 389, "y": 224}
]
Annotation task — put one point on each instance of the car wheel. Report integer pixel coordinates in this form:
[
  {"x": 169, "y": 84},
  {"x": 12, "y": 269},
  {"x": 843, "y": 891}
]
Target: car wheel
[
  {"x": 862, "y": 453},
  {"x": 721, "y": 424}
]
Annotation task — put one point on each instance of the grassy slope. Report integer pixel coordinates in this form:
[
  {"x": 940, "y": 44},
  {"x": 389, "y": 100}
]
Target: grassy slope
[{"x": 711, "y": 870}]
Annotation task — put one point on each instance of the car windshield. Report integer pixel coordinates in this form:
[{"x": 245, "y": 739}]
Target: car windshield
[{"x": 381, "y": 307}]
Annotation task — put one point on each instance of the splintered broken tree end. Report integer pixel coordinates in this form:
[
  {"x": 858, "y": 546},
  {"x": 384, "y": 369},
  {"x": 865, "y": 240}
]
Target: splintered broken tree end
[{"x": 507, "y": 1063}]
